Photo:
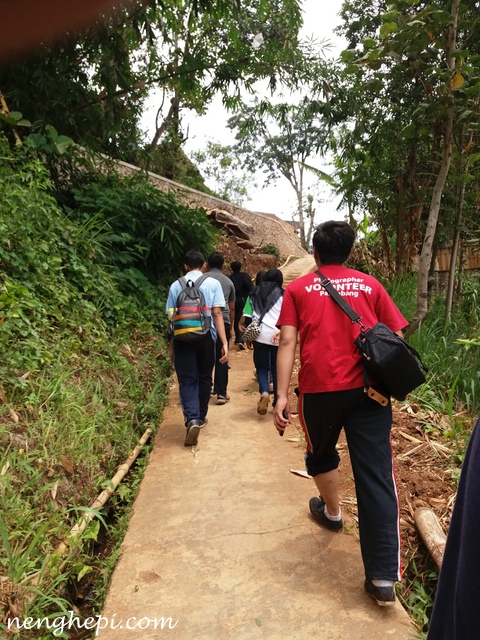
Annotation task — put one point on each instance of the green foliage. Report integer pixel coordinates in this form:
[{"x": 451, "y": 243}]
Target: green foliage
[
  {"x": 170, "y": 161},
  {"x": 399, "y": 85},
  {"x": 418, "y": 593},
  {"x": 453, "y": 381},
  {"x": 279, "y": 139},
  {"x": 93, "y": 88},
  {"x": 49, "y": 282},
  {"x": 139, "y": 229},
  {"x": 83, "y": 372},
  {"x": 271, "y": 249},
  {"x": 220, "y": 165}
]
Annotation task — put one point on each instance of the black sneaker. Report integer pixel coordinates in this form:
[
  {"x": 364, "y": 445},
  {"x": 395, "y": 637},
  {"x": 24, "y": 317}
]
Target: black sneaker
[
  {"x": 384, "y": 596},
  {"x": 193, "y": 429},
  {"x": 317, "y": 509}
]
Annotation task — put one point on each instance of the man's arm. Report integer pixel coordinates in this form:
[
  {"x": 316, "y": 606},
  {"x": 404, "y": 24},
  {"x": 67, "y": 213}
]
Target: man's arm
[
  {"x": 231, "y": 308},
  {"x": 220, "y": 327},
  {"x": 285, "y": 360}
]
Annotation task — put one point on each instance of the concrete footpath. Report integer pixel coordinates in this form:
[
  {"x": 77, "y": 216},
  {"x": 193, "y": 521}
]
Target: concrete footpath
[{"x": 220, "y": 543}]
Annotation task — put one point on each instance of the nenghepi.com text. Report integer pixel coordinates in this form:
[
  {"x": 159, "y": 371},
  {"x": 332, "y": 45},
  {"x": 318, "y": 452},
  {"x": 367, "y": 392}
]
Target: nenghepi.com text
[{"x": 60, "y": 624}]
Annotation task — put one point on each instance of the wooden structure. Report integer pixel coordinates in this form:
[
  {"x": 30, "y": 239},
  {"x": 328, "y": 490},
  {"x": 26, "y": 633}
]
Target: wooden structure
[{"x": 471, "y": 258}]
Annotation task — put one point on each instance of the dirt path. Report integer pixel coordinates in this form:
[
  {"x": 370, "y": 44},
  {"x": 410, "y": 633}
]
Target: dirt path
[{"x": 220, "y": 541}]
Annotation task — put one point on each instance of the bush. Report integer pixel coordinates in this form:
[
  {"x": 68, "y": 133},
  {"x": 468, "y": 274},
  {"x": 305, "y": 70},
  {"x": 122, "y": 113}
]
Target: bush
[
  {"x": 83, "y": 375},
  {"x": 272, "y": 250},
  {"x": 137, "y": 226}
]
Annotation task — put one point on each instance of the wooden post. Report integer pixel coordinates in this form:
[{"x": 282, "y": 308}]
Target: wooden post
[{"x": 431, "y": 533}]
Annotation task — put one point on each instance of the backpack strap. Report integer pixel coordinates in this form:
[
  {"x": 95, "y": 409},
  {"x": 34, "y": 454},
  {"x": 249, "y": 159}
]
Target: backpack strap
[
  {"x": 199, "y": 281},
  {"x": 184, "y": 281}
]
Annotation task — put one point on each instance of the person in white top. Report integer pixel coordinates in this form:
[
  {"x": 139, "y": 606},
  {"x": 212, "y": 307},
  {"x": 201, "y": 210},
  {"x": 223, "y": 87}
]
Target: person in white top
[{"x": 266, "y": 299}]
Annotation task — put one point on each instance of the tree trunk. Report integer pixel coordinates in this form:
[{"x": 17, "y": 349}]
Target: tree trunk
[
  {"x": 400, "y": 261},
  {"x": 387, "y": 252},
  {"x": 301, "y": 216},
  {"x": 168, "y": 120},
  {"x": 426, "y": 253},
  {"x": 453, "y": 258}
]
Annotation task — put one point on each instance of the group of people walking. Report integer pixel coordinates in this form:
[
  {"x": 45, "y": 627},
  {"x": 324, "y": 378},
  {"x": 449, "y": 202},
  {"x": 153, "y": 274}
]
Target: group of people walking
[
  {"x": 195, "y": 361},
  {"x": 330, "y": 382}
]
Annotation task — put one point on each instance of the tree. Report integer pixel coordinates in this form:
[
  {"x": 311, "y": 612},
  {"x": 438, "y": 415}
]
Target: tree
[
  {"x": 280, "y": 139},
  {"x": 422, "y": 84},
  {"x": 93, "y": 88},
  {"x": 219, "y": 164}
]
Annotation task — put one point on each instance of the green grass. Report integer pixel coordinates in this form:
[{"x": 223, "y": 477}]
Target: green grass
[
  {"x": 453, "y": 380},
  {"x": 451, "y": 351},
  {"x": 77, "y": 421}
]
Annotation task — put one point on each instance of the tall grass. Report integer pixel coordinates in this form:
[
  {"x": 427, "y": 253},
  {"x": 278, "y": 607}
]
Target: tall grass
[
  {"x": 83, "y": 373},
  {"x": 451, "y": 351},
  {"x": 76, "y": 423},
  {"x": 453, "y": 381}
]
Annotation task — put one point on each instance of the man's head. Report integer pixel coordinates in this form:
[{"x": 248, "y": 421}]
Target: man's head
[
  {"x": 236, "y": 266},
  {"x": 333, "y": 241},
  {"x": 193, "y": 260},
  {"x": 215, "y": 260}
]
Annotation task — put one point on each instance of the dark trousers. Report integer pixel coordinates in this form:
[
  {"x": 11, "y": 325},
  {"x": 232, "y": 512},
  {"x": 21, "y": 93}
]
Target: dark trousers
[
  {"x": 194, "y": 365},
  {"x": 265, "y": 361},
  {"x": 239, "y": 304},
  {"x": 367, "y": 428},
  {"x": 220, "y": 379}
]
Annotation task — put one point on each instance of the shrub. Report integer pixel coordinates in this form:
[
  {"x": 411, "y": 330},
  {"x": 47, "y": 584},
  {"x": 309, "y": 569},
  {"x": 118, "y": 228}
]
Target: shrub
[{"x": 271, "y": 249}]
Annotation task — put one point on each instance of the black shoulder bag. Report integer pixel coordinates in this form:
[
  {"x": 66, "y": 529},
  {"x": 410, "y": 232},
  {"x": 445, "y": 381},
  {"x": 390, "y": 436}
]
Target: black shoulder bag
[{"x": 396, "y": 365}]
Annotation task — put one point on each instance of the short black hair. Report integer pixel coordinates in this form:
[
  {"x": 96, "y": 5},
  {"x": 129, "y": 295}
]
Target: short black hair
[
  {"x": 333, "y": 241},
  {"x": 215, "y": 260},
  {"x": 235, "y": 266},
  {"x": 194, "y": 259}
]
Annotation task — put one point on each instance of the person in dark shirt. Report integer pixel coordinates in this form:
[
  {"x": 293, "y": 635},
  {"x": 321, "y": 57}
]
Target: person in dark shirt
[
  {"x": 243, "y": 288},
  {"x": 220, "y": 379},
  {"x": 455, "y": 613}
]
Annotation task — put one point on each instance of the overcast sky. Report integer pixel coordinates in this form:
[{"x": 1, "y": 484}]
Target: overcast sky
[{"x": 321, "y": 17}]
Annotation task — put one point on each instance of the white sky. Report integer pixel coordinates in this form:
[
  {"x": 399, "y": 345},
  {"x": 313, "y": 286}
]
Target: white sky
[{"x": 321, "y": 17}]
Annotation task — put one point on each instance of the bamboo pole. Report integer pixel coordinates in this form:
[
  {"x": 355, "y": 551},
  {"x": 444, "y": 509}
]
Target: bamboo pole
[
  {"x": 100, "y": 500},
  {"x": 431, "y": 533},
  {"x": 80, "y": 527}
]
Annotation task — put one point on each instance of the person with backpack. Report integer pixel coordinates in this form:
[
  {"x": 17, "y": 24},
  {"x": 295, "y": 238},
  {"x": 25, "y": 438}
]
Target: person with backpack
[
  {"x": 192, "y": 303},
  {"x": 220, "y": 379},
  {"x": 243, "y": 288},
  {"x": 332, "y": 396},
  {"x": 264, "y": 305}
]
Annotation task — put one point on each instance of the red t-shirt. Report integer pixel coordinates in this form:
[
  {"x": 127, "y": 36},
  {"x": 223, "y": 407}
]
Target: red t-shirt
[{"x": 329, "y": 359}]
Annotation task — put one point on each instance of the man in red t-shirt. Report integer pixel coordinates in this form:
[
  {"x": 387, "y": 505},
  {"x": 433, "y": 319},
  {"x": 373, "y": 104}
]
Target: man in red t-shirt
[{"x": 331, "y": 396}]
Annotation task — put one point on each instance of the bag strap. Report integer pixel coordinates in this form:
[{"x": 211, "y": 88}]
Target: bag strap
[
  {"x": 267, "y": 308},
  {"x": 354, "y": 317},
  {"x": 184, "y": 281},
  {"x": 333, "y": 293}
]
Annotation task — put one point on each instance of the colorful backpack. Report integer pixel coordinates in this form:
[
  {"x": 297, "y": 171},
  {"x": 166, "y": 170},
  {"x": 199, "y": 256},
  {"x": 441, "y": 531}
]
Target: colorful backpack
[{"x": 190, "y": 322}]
